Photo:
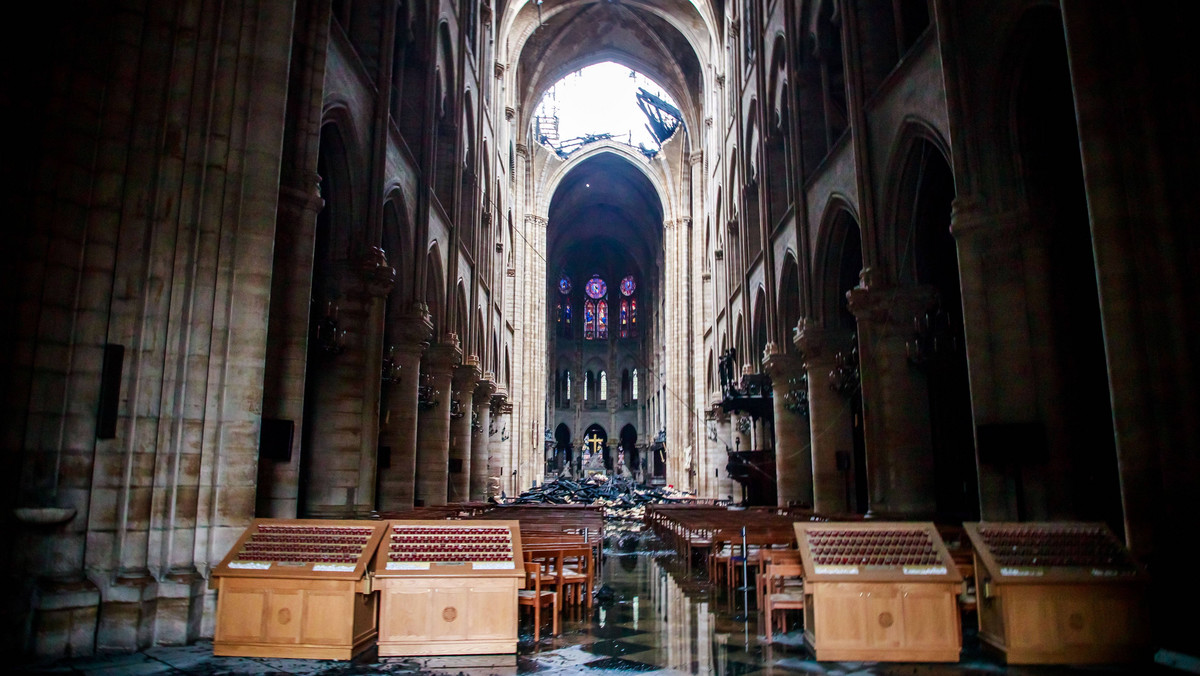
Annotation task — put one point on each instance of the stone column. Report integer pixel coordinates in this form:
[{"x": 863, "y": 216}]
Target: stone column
[
  {"x": 830, "y": 416},
  {"x": 895, "y": 400},
  {"x": 793, "y": 444},
  {"x": 398, "y": 429},
  {"x": 479, "y": 446},
  {"x": 717, "y": 457},
  {"x": 499, "y": 463},
  {"x": 998, "y": 253},
  {"x": 287, "y": 341},
  {"x": 378, "y": 278},
  {"x": 433, "y": 431},
  {"x": 465, "y": 377}
]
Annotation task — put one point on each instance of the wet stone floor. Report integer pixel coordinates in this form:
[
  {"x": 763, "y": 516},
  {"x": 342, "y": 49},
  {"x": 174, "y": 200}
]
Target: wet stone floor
[{"x": 649, "y": 617}]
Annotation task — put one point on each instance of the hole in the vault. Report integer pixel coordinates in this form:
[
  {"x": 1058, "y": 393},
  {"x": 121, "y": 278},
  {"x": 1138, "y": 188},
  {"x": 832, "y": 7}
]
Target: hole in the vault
[{"x": 605, "y": 101}]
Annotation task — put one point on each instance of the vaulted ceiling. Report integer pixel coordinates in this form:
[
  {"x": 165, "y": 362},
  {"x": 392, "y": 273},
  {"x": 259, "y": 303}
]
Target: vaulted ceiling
[
  {"x": 666, "y": 40},
  {"x": 604, "y": 215}
]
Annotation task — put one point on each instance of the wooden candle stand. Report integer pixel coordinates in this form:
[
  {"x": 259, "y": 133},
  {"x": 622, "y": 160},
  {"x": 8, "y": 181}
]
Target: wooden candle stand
[
  {"x": 879, "y": 592},
  {"x": 297, "y": 588},
  {"x": 449, "y": 587},
  {"x": 1059, "y": 593}
]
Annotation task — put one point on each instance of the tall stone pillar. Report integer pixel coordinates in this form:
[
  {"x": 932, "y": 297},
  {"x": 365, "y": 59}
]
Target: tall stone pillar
[
  {"x": 378, "y": 278},
  {"x": 499, "y": 460},
  {"x": 723, "y": 486},
  {"x": 830, "y": 417},
  {"x": 398, "y": 429},
  {"x": 433, "y": 431},
  {"x": 465, "y": 377},
  {"x": 1003, "y": 314},
  {"x": 793, "y": 444},
  {"x": 479, "y": 440},
  {"x": 895, "y": 400},
  {"x": 287, "y": 341}
]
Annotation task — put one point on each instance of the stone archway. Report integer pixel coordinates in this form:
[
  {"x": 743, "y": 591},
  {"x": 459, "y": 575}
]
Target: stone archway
[
  {"x": 628, "y": 446},
  {"x": 563, "y": 453},
  {"x": 595, "y": 442}
]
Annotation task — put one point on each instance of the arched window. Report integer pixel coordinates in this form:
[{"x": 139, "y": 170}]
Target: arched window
[
  {"x": 628, "y": 307},
  {"x": 603, "y": 386},
  {"x": 587, "y": 384},
  {"x": 602, "y": 320},
  {"x": 635, "y": 385},
  {"x": 567, "y": 389},
  {"x": 625, "y": 396},
  {"x": 633, "y": 317},
  {"x": 589, "y": 320},
  {"x": 567, "y": 331}
]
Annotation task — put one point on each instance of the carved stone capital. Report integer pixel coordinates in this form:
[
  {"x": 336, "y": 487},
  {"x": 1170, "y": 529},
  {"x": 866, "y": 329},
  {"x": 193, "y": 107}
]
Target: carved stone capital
[
  {"x": 535, "y": 220},
  {"x": 509, "y": 113},
  {"x": 499, "y": 69},
  {"x": 306, "y": 195},
  {"x": 971, "y": 218},
  {"x": 484, "y": 388},
  {"x": 499, "y": 398},
  {"x": 465, "y": 375},
  {"x": 893, "y": 308},
  {"x": 782, "y": 366},
  {"x": 378, "y": 277},
  {"x": 412, "y": 330},
  {"x": 815, "y": 341},
  {"x": 440, "y": 359},
  {"x": 523, "y": 151}
]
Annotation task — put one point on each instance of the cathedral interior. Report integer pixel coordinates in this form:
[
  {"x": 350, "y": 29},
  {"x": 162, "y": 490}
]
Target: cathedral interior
[{"x": 321, "y": 259}]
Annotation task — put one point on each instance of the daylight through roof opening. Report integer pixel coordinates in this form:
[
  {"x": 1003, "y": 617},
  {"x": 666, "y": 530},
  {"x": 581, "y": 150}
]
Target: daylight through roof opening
[{"x": 606, "y": 101}]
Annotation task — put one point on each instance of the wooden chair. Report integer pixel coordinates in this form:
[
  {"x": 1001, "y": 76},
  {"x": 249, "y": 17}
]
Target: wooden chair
[
  {"x": 767, "y": 557},
  {"x": 784, "y": 591},
  {"x": 576, "y": 574},
  {"x": 537, "y": 598}
]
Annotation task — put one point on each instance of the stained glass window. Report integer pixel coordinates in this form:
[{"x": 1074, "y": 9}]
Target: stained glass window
[
  {"x": 627, "y": 286},
  {"x": 635, "y": 385},
  {"x": 596, "y": 288},
  {"x": 633, "y": 316},
  {"x": 602, "y": 320},
  {"x": 568, "y": 332},
  {"x": 624, "y": 318},
  {"x": 589, "y": 320},
  {"x": 564, "y": 285},
  {"x": 603, "y": 386}
]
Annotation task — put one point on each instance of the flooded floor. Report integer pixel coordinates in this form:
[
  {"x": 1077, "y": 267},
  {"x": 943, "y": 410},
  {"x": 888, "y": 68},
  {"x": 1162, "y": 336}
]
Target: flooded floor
[{"x": 649, "y": 617}]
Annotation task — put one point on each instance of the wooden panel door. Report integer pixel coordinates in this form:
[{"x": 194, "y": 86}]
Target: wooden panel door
[
  {"x": 884, "y": 617},
  {"x": 284, "y": 615},
  {"x": 405, "y": 612},
  {"x": 1030, "y": 618},
  {"x": 240, "y": 613},
  {"x": 931, "y": 617},
  {"x": 493, "y": 610},
  {"x": 328, "y": 617},
  {"x": 450, "y": 610},
  {"x": 840, "y": 616}
]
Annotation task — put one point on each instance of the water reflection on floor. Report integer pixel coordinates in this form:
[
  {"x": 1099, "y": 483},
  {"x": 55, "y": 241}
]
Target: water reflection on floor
[{"x": 649, "y": 616}]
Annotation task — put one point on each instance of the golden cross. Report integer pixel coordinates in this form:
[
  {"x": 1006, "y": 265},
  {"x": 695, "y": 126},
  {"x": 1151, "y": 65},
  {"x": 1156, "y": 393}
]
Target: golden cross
[{"x": 595, "y": 442}]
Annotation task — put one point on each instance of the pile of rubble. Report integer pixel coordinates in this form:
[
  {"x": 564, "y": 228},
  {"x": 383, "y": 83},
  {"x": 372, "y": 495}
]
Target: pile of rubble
[{"x": 623, "y": 499}]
